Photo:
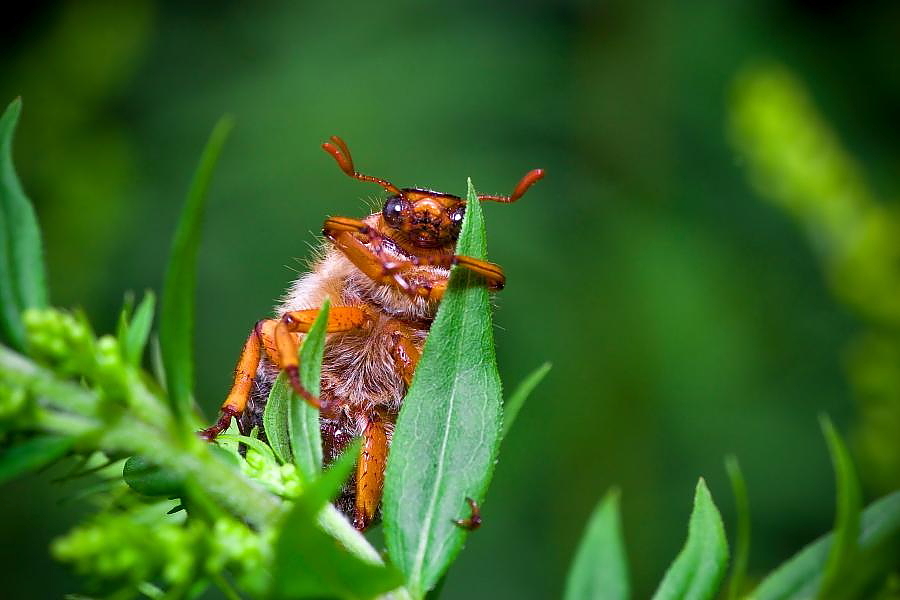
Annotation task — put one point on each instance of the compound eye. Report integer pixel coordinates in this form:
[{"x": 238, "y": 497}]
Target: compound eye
[
  {"x": 456, "y": 217},
  {"x": 393, "y": 210}
]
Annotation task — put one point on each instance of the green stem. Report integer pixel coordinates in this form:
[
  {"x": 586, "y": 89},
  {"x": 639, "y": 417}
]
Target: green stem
[
  {"x": 64, "y": 423},
  {"x": 221, "y": 480},
  {"x": 152, "y": 431},
  {"x": 161, "y": 438},
  {"x": 16, "y": 369}
]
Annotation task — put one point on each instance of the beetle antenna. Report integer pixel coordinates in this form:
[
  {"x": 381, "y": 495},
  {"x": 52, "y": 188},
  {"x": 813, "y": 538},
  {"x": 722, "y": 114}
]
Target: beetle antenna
[
  {"x": 341, "y": 154},
  {"x": 526, "y": 182}
]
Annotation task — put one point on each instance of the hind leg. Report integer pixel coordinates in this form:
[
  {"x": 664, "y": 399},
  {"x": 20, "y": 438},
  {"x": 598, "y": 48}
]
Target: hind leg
[
  {"x": 277, "y": 337},
  {"x": 373, "y": 453},
  {"x": 370, "y": 472}
]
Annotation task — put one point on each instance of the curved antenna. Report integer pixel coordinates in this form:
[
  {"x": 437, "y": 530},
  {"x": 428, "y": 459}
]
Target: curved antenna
[
  {"x": 526, "y": 182},
  {"x": 341, "y": 154}
]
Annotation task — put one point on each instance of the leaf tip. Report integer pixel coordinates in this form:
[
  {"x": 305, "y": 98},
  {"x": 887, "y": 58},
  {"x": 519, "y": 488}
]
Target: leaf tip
[
  {"x": 612, "y": 497},
  {"x": 222, "y": 129},
  {"x": 226, "y": 121},
  {"x": 732, "y": 465},
  {"x": 14, "y": 107},
  {"x": 701, "y": 488},
  {"x": 826, "y": 424}
]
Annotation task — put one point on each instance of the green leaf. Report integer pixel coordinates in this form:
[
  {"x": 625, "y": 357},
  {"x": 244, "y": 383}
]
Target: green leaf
[
  {"x": 257, "y": 445},
  {"x": 512, "y": 406},
  {"x": 600, "y": 568},
  {"x": 846, "y": 527},
  {"x": 125, "y": 317},
  {"x": 22, "y": 280},
  {"x": 699, "y": 567},
  {"x": 309, "y": 563},
  {"x": 742, "y": 538},
  {"x": 176, "y": 329},
  {"x": 156, "y": 362},
  {"x": 445, "y": 441},
  {"x": 275, "y": 418},
  {"x": 139, "y": 330},
  {"x": 878, "y": 539},
  {"x": 32, "y": 454},
  {"x": 303, "y": 419},
  {"x": 149, "y": 479}
]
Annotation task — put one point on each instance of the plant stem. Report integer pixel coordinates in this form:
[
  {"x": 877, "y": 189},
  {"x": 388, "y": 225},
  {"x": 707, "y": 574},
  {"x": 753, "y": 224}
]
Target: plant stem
[{"x": 162, "y": 439}]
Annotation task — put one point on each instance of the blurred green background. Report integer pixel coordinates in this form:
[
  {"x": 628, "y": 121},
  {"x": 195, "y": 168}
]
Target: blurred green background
[{"x": 712, "y": 260}]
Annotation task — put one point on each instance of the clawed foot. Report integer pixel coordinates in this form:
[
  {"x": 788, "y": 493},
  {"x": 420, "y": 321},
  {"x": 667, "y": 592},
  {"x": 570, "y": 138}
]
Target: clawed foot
[{"x": 221, "y": 425}]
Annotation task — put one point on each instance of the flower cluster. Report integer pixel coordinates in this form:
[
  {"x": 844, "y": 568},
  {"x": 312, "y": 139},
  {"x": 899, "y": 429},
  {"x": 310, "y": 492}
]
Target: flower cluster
[
  {"x": 142, "y": 545},
  {"x": 122, "y": 548},
  {"x": 278, "y": 479},
  {"x": 66, "y": 343}
]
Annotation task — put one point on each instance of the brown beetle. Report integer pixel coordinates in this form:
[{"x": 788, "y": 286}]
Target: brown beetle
[{"x": 385, "y": 276}]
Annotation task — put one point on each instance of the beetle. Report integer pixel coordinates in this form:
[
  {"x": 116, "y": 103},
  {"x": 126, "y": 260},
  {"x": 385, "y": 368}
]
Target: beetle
[{"x": 385, "y": 275}]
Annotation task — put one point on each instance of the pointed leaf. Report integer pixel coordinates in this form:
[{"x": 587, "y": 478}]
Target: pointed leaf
[
  {"x": 32, "y": 454},
  {"x": 742, "y": 538},
  {"x": 22, "y": 280},
  {"x": 445, "y": 441},
  {"x": 309, "y": 563},
  {"x": 156, "y": 361},
  {"x": 846, "y": 527},
  {"x": 257, "y": 445},
  {"x": 600, "y": 568},
  {"x": 138, "y": 330},
  {"x": 125, "y": 317},
  {"x": 513, "y": 405},
  {"x": 303, "y": 419},
  {"x": 176, "y": 329},
  {"x": 700, "y": 566},
  {"x": 275, "y": 418},
  {"x": 879, "y": 541}
]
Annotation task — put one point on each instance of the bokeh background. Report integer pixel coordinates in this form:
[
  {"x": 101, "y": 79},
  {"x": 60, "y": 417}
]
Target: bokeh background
[{"x": 712, "y": 261}]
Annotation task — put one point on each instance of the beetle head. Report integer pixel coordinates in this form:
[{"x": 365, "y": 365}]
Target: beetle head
[{"x": 427, "y": 218}]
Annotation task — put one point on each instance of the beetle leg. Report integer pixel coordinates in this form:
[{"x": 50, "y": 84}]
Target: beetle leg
[
  {"x": 370, "y": 472},
  {"x": 340, "y": 318},
  {"x": 345, "y": 234},
  {"x": 403, "y": 350},
  {"x": 369, "y": 481},
  {"x": 279, "y": 341},
  {"x": 244, "y": 371},
  {"x": 492, "y": 273}
]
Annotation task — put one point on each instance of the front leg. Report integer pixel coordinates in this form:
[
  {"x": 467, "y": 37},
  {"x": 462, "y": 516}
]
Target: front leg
[
  {"x": 346, "y": 235},
  {"x": 492, "y": 273},
  {"x": 349, "y": 235}
]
